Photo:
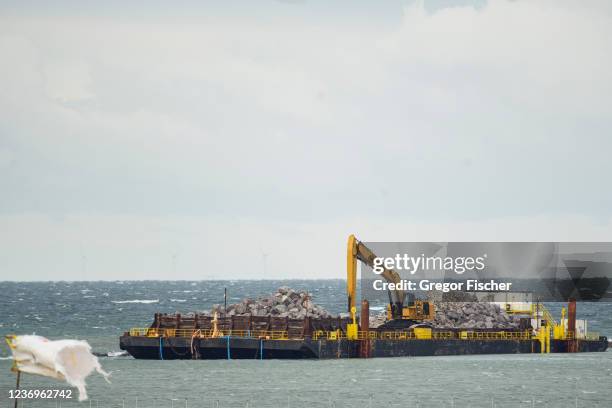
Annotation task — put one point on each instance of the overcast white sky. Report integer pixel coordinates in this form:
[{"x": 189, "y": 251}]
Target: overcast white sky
[{"x": 184, "y": 141}]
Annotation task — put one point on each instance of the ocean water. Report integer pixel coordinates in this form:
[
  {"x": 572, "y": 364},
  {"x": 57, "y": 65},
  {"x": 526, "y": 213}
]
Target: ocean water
[{"x": 100, "y": 311}]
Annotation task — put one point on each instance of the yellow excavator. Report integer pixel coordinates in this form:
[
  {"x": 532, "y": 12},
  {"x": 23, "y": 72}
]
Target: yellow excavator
[{"x": 403, "y": 309}]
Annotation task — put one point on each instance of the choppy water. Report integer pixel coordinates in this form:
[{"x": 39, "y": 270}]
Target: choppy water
[{"x": 100, "y": 311}]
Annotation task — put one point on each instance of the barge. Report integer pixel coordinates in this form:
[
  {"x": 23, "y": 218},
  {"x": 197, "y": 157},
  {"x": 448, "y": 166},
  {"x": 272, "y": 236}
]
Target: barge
[
  {"x": 407, "y": 331},
  {"x": 251, "y": 337},
  {"x": 237, "y": 347}
]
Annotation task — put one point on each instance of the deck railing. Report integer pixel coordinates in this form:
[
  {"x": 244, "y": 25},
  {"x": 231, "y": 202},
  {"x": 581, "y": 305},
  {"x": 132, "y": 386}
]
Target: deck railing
[
  {"x": 332, "y": 335},
  {"x": 209, "y": 333}
]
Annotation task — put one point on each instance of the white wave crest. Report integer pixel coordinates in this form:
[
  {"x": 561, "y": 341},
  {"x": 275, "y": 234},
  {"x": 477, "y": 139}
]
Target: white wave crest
[{"x": 117, "y": 353}]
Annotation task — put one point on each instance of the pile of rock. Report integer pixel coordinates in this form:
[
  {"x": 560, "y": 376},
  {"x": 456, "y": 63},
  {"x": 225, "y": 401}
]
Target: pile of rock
[
  {"x": 285, "y": 302},
  {"x": 377, "y": 319},
  {"x": 296, "y": 304},
  {"x": 464, "y": 315},
  {"x": 473, "y": 315}
]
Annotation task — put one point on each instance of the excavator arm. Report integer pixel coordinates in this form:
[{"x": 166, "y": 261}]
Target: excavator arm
[{"x": 358, "y": 251}]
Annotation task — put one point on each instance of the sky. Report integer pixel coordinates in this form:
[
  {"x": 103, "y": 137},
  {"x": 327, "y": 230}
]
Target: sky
[{"x": 247, "y": 140}]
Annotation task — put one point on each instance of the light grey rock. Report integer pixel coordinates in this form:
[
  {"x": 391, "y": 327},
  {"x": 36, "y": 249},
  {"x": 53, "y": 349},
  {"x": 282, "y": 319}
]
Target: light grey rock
[
  {"x": 285, "y": 302},
  {"x": 472, "y": 315},
  {"x": 452, "y": 315}
]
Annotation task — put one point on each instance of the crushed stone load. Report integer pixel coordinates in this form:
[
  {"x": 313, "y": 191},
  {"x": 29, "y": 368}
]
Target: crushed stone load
[
  {"x": 473, "y": 315},
  {"x": 285, "y": 302},
  {"x": 297, "y": 304},
  {"x": 464, "y": 315},
  {"x": 377, "y": 319}
]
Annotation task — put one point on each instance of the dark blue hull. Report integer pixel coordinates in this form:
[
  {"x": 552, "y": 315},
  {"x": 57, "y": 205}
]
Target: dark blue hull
[{"x": 171, "y": 348}]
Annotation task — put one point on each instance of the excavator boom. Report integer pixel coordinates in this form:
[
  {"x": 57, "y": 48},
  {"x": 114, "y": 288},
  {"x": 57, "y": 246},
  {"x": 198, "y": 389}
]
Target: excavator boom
[{"x": 357, "y": 250}]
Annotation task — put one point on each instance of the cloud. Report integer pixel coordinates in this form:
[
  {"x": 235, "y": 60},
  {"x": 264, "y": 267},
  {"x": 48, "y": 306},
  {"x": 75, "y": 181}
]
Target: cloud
[
  {"x": 447, "y": 119},
  {"x": 106, "y": 247},
  {"x": 67, "y": 81},
  {"x": 534, "y": 55}
]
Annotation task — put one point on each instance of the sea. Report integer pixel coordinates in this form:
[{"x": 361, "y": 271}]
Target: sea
[{"x": 100, "y": 312}]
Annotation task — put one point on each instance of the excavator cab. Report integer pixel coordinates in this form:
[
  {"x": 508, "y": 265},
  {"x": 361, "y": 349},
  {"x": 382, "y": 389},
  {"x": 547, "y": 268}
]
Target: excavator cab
[{"x": 417, "y": 310}]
